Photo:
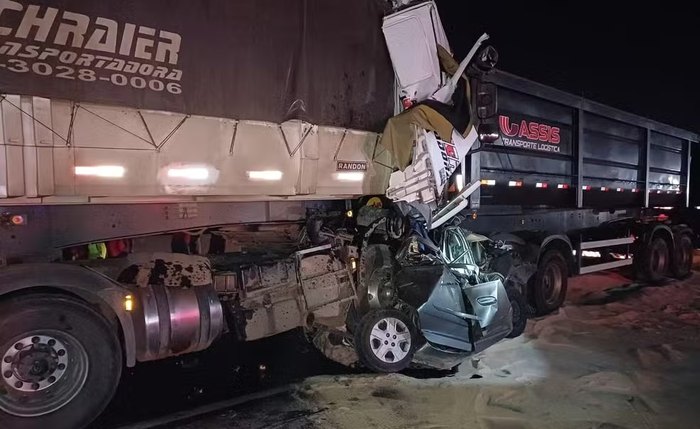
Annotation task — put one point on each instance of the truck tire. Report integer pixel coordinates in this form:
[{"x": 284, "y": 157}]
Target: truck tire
[
  {"x": 550, "y": 282},
  {"x": 61, "y": 362},
  {"x": 385, "y": 341},
  {"x": 682, "y": 263},
  {"x": 521, "y": 311},
  {"x": 655, "y": 260}
]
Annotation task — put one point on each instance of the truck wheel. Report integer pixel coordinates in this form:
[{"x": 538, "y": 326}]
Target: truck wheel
[
  {"x": 60, "y": 363},
  {"x": 385, "y": 341},
  {"x": 551, "y": 281},
  {"x": 655, "y": 261},
  {"x": 521, "y": 311},
  {"x": 683, "y": 259}
]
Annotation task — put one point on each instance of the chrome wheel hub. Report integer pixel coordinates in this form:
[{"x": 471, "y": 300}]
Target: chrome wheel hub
[
  {"x": 41, "y": 372},
  {"x": 390, "y": 340},
  {"x": 34, "y": 363}
]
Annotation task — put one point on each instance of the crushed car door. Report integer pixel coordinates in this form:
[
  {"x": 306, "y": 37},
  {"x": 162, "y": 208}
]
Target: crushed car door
[
  {"x": 435, "y": 292},
  {"x": 490, "y": 304}
]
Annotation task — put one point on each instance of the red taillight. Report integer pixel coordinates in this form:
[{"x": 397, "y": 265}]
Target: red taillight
[
  {"x": 17, "y": 220},
  {"x": 9, "y": 219},
  {"x": 542, "y": 185}
]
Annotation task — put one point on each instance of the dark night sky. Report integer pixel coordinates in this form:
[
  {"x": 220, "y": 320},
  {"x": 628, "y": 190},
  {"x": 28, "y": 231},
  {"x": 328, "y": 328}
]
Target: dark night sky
[{"x": 638, "y": 58}]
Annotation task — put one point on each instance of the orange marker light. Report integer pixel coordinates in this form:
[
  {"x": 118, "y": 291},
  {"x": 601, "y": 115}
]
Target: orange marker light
[{"x": 129, "y": 303}]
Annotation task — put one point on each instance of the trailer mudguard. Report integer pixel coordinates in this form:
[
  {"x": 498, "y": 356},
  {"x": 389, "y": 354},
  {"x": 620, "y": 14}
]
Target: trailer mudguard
[
  {"x": 663, "y": 230},
  {"x": 530, "y": 246},
  {"x": 558, "y": 240},
  {"x": 81, "y": 281},
  {"x": 533, "y": 243}
]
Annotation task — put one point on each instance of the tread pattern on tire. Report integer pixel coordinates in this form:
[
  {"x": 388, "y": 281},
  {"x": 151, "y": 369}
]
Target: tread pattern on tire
[
  {"x": 47, "y": 311},
  {"x": 655, "y": 276},
  {"x": 540, "y": 302},
  {"x": 517, "y": 298},
  {"x": 679, "y": 269}
]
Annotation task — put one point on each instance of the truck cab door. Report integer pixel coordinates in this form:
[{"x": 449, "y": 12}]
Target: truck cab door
[{"x": 412, "y": 36}]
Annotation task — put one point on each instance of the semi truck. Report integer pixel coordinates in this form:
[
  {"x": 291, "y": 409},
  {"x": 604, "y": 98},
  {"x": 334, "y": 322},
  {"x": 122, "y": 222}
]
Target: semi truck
[{"x": 225, "y": 169}]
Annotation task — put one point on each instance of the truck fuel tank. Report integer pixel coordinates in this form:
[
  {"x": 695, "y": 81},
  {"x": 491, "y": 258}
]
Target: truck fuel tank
[{"x": 176, "y": 309}]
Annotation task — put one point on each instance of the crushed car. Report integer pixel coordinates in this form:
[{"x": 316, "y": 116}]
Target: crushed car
[
  {"x": 395, "y": 282},
  {"x": 427, "y": 300},
  {"x": 420, "y": 291}
]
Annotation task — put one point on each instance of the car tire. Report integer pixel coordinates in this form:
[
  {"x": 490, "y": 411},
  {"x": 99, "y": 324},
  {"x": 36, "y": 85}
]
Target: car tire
[
  {"x": 682, "y": 263},
  {"x": 77, "y": 362},
  {"x": 386, "y": 340},
  {"x": 521, "y": 311},
  {"x": 550, "y": 282}
]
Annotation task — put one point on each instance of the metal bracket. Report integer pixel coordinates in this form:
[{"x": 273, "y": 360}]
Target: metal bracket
[
  {"x": 301, "y": 141},
  {"x": 172, "y": 133},
  {"x": 455, "y": 206}
]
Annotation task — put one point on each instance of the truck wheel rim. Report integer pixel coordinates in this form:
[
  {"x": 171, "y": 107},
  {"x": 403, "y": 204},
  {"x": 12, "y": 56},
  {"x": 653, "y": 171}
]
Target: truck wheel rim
[
  {"x": 552, "y": 280},
  {"x": 41, "y": 372},
  {"x": 390, "y": 340}
]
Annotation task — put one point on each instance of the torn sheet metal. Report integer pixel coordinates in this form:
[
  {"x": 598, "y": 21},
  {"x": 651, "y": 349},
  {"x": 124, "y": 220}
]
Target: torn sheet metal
[
  {"x": 336, "y": 345},
  {"x": 265, "y": 296},
  {"x": 400, "y": 131},
  {"x": 412, "y": 35},
  {"x": 327, "y": 287}
]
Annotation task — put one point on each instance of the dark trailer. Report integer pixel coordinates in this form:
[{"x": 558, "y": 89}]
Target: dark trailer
[{"x": 589, "y": 186}]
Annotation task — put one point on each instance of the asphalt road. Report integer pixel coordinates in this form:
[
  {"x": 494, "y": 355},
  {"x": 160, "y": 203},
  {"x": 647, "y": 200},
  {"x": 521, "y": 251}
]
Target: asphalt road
[{"x": 226, "y": 372}]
